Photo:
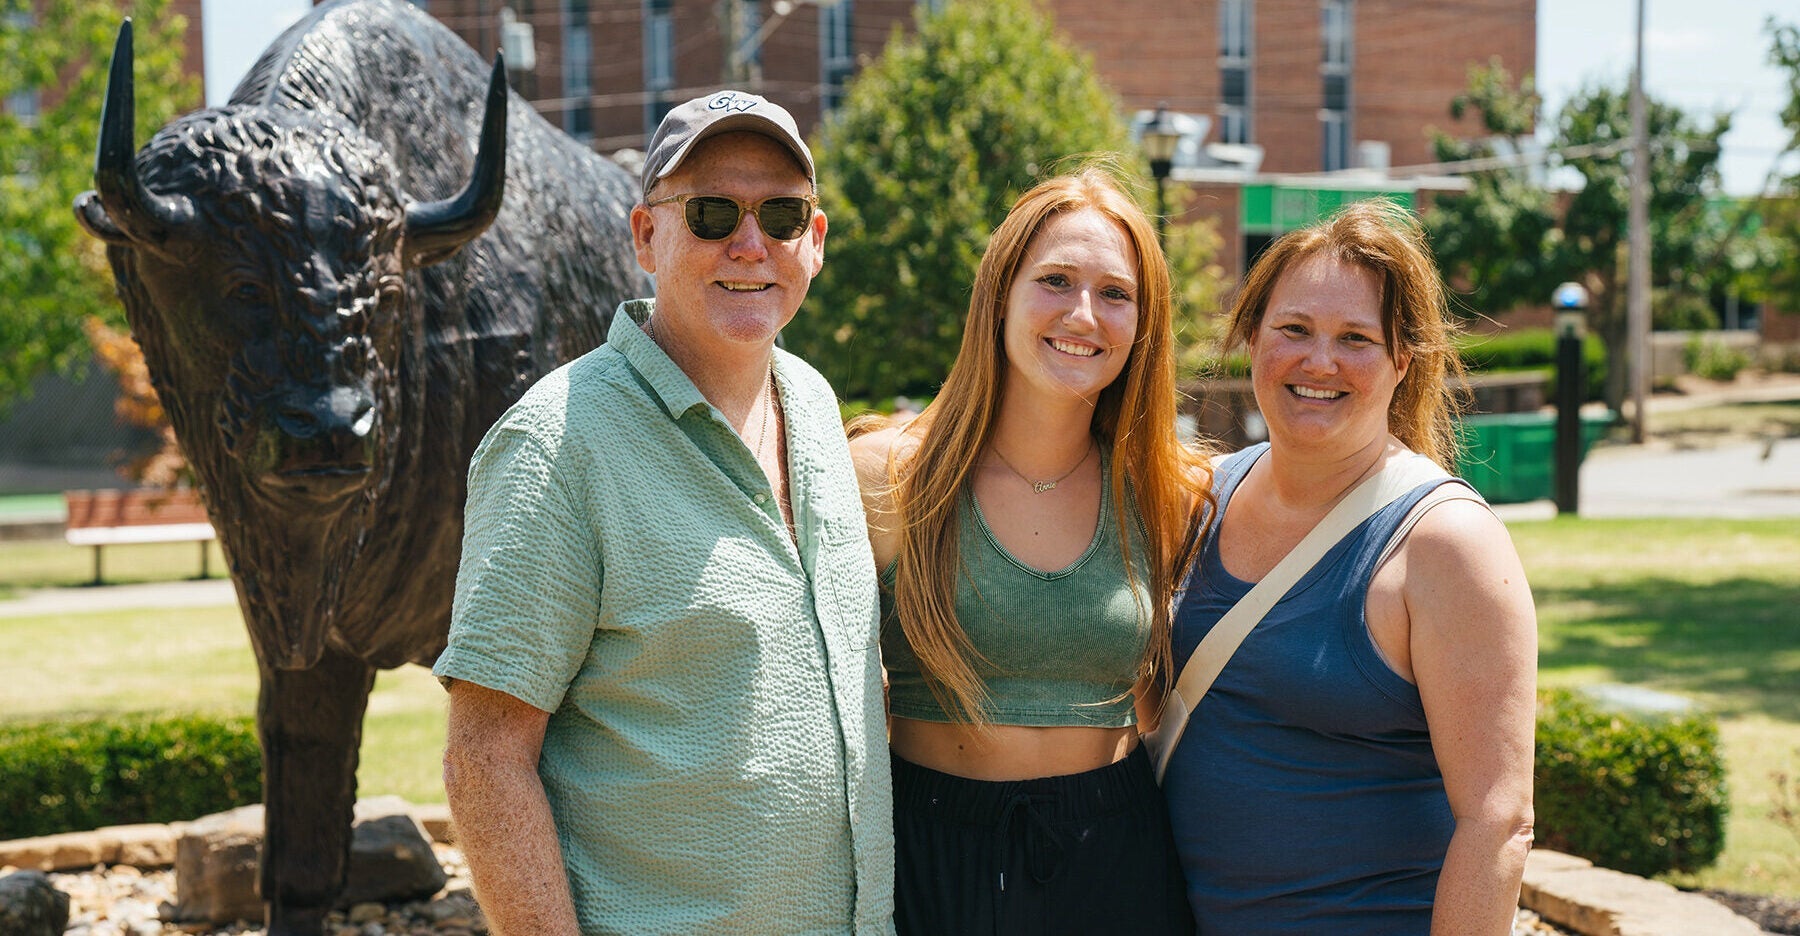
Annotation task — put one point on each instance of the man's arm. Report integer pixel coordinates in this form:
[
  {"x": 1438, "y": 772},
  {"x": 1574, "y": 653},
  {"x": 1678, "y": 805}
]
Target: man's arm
[{"x": 502, "y": 816}]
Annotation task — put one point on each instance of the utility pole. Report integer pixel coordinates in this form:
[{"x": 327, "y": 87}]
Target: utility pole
[{"x": 1637, "y": 294}]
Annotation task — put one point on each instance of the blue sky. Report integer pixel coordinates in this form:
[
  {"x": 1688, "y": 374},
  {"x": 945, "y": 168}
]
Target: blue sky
[{"x": 1706, "y": 56}]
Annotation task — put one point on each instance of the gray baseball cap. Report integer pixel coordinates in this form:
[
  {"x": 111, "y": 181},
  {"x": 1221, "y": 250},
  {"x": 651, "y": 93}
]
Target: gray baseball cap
[{"x": 720, "y": 112}]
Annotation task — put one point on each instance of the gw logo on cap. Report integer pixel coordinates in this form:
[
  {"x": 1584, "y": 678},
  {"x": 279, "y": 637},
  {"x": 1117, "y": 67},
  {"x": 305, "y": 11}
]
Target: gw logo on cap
[{"x": 733, "y": 101}]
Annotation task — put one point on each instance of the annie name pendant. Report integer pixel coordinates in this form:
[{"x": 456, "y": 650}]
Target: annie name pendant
[{"x": 1043, "y": 487}]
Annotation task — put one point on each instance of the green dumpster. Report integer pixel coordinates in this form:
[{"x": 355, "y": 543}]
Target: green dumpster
[{"x": 1511, "y": 457}]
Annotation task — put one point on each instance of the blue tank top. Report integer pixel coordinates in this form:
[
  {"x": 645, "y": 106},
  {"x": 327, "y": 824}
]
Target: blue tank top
[{"x": 1304, "y": 795}]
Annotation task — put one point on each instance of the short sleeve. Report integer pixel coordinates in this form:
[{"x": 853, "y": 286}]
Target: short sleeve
[{"x": 528, "y": 588}]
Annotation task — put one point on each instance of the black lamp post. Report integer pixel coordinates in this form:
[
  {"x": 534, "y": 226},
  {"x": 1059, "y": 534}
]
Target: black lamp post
[
  {"x": 1159, "y": 141},
  {"x": 1571, "y": 301}
]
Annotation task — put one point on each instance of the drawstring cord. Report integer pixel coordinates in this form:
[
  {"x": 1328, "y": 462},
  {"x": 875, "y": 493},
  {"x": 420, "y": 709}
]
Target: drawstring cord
[{"x": 1044, "y": 845}]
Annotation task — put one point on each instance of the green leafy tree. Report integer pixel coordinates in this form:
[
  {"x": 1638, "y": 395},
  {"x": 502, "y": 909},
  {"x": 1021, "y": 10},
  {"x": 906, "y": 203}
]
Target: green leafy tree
[
  {"x": 1779, "y": 207},
  {"x": 53, "y": 276},
  {"x": 1199, "y": 283},
  {"x": 933, "y": 143},
  {"x": 1509, "y": 243}
]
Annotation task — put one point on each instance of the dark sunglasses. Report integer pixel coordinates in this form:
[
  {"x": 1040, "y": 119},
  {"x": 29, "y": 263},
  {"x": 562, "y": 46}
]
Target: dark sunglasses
[{"x": 714, "y": 217}]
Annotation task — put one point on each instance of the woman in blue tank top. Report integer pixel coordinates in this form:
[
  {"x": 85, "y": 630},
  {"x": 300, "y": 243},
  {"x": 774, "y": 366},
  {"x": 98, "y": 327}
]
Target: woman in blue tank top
[
  {"x": 1362, "y": 764},
  {"x": 1029, "y": 526}
]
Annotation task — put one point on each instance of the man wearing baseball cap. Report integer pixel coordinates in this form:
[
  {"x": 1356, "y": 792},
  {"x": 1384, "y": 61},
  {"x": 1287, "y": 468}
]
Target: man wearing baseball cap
[{"x": 665, "y": 689}]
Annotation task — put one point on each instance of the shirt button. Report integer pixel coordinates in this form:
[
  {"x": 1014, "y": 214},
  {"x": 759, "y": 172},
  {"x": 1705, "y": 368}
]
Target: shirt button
[{"x": 761, "y": 498}]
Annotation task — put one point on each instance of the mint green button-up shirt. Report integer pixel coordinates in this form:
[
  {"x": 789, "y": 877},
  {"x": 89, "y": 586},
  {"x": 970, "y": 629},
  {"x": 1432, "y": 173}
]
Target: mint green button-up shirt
[{"x": 716, "y": 757}]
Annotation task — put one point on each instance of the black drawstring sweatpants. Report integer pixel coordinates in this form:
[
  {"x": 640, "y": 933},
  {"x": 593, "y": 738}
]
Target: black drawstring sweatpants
[{"x": 1087, "y": 853}]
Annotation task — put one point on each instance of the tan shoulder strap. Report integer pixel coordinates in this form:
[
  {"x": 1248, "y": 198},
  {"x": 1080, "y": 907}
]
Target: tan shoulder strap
[{"x": 1216, "y": 648}]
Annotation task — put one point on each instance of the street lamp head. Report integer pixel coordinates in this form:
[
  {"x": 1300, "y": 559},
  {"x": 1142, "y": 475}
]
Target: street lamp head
[
  {"x": 1160, "y": 139},
  {"x": 1571, "y": 302},
  {"x": 1570, "y": 297}
]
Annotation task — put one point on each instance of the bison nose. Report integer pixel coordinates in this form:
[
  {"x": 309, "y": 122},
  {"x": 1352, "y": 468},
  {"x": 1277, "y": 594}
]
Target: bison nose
[
  {"x": 325, "y": 439},
  {"x": 341, "y": 413}
]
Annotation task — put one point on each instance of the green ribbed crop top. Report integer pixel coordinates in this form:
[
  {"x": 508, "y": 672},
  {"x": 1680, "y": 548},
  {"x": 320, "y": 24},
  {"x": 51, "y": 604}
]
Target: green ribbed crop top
[{"x": 1062, "y": 648}]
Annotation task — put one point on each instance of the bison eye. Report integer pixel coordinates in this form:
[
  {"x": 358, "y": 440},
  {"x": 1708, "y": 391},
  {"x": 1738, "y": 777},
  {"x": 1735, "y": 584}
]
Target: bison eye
[{"x": 250, "y": 293}]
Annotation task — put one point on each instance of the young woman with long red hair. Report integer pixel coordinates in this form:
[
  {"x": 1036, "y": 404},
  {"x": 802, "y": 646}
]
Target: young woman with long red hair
[{"x": 1029, "y": 526}]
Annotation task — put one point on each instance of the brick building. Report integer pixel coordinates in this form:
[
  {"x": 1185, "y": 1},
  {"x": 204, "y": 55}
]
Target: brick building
[
  {"x": 1348, "y": 87},
  {"x": 29, "y": 102},
  {"x": 606, "y": 71}
]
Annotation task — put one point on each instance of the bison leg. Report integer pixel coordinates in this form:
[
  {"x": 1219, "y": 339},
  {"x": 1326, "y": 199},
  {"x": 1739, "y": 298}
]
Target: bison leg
[{"x": 311, "y": 725}]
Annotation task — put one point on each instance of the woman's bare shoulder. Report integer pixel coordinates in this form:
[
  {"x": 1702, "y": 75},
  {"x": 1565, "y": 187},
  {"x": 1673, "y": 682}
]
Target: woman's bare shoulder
[{"x": 878, "y": 452}]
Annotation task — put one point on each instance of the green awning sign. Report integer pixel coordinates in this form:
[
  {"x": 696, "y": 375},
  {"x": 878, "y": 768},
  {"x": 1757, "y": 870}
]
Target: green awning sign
[{"x": 1275, "y": 209}]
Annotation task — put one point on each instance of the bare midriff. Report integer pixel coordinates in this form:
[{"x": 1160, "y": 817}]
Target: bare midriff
[{"x": 1008, "y": 752}]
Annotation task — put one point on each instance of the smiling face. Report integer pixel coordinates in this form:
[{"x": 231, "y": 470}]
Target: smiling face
[
  {"x": 1072, "y": 308},
  {"x": 740, "y": 290},
  {"x": 1318, "y": 362}
]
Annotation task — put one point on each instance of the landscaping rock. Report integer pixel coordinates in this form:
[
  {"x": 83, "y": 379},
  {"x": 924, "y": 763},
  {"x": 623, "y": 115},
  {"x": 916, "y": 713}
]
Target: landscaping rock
[
  {"x": 391, "y": 859},
  {"x": 215, "y": 868},
  {"x": 1572, "y": 893},
  {"x": 147, "y": 845},
  {"x": 54, "y": 852},
  {"x": 390, "y": 855},
  {"x": 31, "y": 906},
  {"x": 144, "y": 846},
  {"x": 435, "y": 817}
]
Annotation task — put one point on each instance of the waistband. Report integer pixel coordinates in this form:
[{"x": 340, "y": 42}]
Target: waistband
[{"x": 1118, "y": 787}]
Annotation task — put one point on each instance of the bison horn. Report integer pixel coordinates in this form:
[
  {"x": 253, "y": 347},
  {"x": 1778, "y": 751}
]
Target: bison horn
[
  {"x": 437, "y": 230},
  {"x": 124, "y": 211}
]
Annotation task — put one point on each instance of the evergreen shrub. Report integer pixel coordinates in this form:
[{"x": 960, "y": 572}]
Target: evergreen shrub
[
  {"x": 70, "y": 776},
  {"x": 1637, "y": 793},
  {"x": 1533, "y": 349}
]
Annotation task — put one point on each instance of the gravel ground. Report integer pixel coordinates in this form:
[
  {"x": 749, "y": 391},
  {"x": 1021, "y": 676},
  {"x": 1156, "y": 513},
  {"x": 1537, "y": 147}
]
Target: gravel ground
[
  {"x": 1774, "y": 914},
  {"x": 123, "y": 901}
]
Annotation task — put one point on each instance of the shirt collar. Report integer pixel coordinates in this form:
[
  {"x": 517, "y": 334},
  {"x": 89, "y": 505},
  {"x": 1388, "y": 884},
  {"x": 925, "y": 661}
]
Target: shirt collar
[
  {"x": 671, "y": 385},
  {"x": 667, "y": 380}
]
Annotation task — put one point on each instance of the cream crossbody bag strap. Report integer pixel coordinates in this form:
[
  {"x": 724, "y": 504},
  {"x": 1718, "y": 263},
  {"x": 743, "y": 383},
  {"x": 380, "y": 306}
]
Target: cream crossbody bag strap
[{"x": 1216, "y": 648}]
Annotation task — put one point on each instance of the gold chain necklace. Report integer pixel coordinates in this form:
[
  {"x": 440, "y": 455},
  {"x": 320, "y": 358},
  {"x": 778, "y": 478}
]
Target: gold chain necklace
[
  {"x": 762, "y": 431},
  {"x": 1043, "y": 487}
]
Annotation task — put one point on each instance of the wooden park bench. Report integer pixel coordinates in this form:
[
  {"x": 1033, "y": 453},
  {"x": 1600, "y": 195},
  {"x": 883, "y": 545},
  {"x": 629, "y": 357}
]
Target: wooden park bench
[{"x": 108, "y": 518}]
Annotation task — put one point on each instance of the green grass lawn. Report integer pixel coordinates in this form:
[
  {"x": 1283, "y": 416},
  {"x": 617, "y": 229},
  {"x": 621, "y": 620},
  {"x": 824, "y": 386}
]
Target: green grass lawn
[
  {"x": 199, "y": 660},
  {"x": 1699, "y": 427},
  {"x": 1705, "y": 608},
  {"x": 1708, "y": 609},
  {"x": 54, "y": 563}
]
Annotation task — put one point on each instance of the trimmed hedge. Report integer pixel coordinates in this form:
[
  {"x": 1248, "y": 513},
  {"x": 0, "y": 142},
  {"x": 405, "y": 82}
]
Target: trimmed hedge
[
  {"x": 1526, "y": 349},
  {"x": 1641, "y": 794},
  {"x": 72, "y": 776},
  {"x": 1533, "y": 349}
]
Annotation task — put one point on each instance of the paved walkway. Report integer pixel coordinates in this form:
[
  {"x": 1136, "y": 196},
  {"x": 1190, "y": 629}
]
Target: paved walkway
[
  {"x": 90, "y": 598},
  {"x": 1748, "y": 480},
  {"x": 1736, "y": 480}
]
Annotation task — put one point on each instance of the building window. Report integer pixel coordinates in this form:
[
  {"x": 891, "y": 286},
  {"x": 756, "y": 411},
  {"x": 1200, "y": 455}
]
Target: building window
[
  {"x": 659, "y": 61},
  {"x": 1336, "y": 141},
  {"x": 577, "y": 71},
  {"x": 836, "y": 58},
  {"x": 1234, "y": 71},
  {"x": 1334, "y": 80}
]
